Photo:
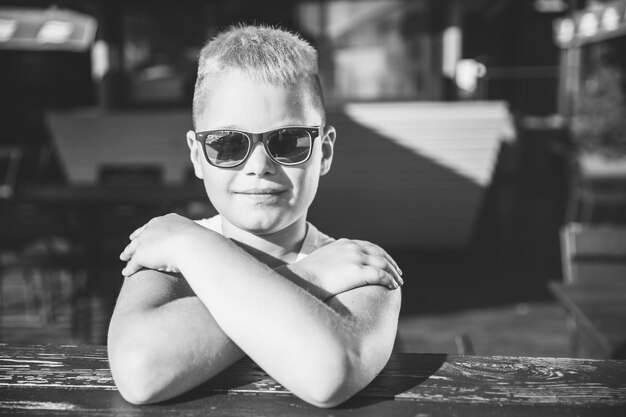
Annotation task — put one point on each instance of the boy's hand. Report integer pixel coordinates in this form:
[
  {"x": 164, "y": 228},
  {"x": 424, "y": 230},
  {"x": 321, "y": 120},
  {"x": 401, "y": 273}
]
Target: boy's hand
[
  {"x": 156, "y": 244},
  {"x": 346, "y": 264}
]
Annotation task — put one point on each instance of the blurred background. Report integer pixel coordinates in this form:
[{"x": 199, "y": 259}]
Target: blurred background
[{"x": 470, "y": 133}]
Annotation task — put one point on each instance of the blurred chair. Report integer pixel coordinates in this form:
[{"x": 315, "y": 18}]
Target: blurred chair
[
  {"x": 593, "y": 196},
  {"x": 592, "y": 254},
  {"x": 594, "y": 261},
  {"x": 464, "y": 345}
]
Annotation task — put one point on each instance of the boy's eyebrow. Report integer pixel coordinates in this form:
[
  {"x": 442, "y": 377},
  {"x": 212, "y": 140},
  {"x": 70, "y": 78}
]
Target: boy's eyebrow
[
  {"x": 225, "y": 127},
  {"x": 235, "y": 127}
]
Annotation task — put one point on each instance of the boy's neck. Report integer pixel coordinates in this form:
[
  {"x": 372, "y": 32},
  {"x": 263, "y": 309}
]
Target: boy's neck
[{"x": 283, "y": 245}]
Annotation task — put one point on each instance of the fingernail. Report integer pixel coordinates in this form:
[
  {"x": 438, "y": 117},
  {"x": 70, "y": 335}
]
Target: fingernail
[{"x": 401, "y": 281}]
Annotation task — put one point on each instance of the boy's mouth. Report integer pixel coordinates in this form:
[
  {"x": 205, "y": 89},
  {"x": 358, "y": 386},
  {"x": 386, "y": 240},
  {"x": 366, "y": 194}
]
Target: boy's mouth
[{"x": 262, "y": 191}]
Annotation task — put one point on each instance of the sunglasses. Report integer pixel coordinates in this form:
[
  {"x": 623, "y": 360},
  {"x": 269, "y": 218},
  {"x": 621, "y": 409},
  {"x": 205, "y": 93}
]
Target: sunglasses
[{"x": 228, "y": 148}]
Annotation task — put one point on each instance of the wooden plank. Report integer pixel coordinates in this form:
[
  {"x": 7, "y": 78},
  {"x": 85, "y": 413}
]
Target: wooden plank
[
  {"x": 77, "y": 372},
  {"x": 434, "y": 110},
  {"x": 88, "y": 140},
  {"x": 55, "y": 402}
]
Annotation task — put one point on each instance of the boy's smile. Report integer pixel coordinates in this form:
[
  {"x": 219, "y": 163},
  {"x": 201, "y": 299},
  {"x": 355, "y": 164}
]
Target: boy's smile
[
  {"x": 260, "y": 196},
  {"x": 263, "y": 194}
]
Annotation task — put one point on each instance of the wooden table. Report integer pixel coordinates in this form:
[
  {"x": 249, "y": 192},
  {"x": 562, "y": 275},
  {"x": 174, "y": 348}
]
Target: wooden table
[
  {"x": 599, "y": 315},
  {"x": 75, "y": 380}
]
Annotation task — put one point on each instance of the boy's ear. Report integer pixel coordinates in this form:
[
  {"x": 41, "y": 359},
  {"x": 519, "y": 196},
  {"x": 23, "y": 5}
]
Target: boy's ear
[
  {"x": 328, "y": 148},
  {"x": 195, "y": 154}
]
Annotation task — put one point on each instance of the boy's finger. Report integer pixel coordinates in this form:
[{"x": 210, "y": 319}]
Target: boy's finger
[
  {"x": 137, "y": 232},
  {"x": 393, "y": 262},
  {"x": 381, "y": 262},
  {"x": 400, "y": 280},
  {"x": 392, "y": 282},
  {"x": 393, "y": 272},
  {"x": 377, "y": 250},
  {"x": 129, "y": 251},
  {"x": 130, "y": 268},
  {"x": 374, "y": 260},
  {"x": 374, "y": 275}
]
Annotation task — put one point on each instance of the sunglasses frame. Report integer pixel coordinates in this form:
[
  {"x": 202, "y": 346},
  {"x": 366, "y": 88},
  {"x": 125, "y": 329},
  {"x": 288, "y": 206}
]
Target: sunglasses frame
[{"x": 262, "y": 137}]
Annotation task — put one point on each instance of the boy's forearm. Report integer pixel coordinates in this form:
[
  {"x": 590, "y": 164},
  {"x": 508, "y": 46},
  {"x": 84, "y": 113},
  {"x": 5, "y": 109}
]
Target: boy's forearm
[
  {"x": 288, "y": 272},
  {"x": 159, "y": 348},
  {"x": 286, "y": 330}
]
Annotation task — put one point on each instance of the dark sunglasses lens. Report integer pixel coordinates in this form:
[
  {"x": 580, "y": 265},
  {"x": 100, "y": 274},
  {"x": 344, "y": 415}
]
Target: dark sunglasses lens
[
  {"x": 290, "y": 146},
  {"x": 226, "y": 149}
]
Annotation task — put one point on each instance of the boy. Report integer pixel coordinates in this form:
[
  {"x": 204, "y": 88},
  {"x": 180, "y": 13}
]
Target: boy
[{"x": 257, "y": 279}]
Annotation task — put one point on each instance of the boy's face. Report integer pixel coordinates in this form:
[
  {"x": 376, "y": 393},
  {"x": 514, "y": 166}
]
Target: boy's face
[{"x": 260, "y": 196}]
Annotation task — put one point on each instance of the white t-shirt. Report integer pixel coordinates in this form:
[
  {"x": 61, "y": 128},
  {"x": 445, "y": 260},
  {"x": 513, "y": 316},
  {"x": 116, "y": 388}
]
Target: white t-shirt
[{"x": 313, "y": 240}]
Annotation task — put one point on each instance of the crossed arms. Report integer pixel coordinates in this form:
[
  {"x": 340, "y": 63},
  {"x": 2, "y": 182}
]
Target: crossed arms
[{"x": 168, "y": 333}]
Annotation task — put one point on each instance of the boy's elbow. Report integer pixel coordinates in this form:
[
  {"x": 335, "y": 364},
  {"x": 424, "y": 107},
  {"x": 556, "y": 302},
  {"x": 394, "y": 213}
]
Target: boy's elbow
[
  {"x": 136, "y": 374},
  {"x": 328, "y": 397},
  {"x": 332, "y": 384},
  {"x": 340, "y": 379}
]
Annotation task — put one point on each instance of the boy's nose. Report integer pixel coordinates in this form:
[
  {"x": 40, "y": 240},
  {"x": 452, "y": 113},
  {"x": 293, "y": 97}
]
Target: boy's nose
[{"x": 259, "y": 163}]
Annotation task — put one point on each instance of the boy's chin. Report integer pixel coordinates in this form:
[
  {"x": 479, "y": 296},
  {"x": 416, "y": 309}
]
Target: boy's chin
[
  {"x": 263, "y": 220},
  {"x": 261, "y": 225}
]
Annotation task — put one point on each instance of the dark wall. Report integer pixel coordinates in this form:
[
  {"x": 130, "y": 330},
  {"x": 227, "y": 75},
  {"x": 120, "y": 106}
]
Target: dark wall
[{"x": 515, "y": 43}]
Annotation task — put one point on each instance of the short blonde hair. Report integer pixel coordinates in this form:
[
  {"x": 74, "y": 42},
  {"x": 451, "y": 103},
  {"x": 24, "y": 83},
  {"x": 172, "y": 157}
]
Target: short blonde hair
[{"x": 265, "y": 54}]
